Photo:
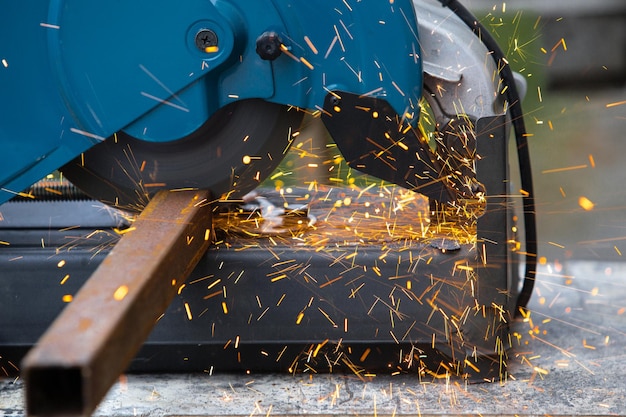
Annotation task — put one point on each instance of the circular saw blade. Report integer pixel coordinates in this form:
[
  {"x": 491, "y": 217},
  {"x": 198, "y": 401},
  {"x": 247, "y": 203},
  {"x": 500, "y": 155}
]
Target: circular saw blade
[{"x": 229, "y": 155}]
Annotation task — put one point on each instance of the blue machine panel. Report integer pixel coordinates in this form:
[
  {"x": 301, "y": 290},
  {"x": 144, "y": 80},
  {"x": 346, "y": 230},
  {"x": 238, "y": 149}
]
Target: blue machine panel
[{"x": 74, "y": 72}]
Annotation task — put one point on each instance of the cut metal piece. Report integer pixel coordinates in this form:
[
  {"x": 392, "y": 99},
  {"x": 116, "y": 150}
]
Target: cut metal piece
[
  {"x": 96, "y": 336},
  {"x": 229, "y": 155}
]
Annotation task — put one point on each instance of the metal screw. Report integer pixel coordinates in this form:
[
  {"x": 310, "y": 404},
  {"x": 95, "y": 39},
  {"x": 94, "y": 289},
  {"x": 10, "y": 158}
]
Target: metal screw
[
  {"x": 205, "y": 38},
  {"x": 335, "y": 101}
]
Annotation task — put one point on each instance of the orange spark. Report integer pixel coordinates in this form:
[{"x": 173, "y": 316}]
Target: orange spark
[
  {"x": 585, "y": 203},
  {"x": 120, "y": 293},
  {"x": 570, "y": 168},
  {"x": 617, "y": 103}
]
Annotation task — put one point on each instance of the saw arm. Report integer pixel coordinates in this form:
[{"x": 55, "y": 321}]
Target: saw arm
[{"x": 77, "y": 73}]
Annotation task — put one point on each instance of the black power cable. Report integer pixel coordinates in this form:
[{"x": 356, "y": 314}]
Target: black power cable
[{"x": 521, "y": 137}]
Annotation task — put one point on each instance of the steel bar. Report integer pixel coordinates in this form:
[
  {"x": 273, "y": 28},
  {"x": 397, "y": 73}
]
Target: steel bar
[{"x": 96, "y": 336}]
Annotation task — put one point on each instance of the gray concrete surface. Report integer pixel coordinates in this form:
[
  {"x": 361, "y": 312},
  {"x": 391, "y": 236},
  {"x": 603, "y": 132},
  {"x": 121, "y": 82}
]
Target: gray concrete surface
[{"x": 569, "y": 360}]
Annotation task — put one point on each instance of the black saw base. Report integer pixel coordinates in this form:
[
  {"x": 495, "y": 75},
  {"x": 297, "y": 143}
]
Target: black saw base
[{"x": 348, "y": 282}]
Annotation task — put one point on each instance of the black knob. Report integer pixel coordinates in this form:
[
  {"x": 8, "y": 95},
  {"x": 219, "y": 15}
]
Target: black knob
[{"x": 268, "y": 46}]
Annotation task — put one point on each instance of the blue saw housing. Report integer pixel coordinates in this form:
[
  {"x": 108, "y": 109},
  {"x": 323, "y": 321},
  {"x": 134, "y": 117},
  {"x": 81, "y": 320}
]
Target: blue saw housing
[{"x": 75, "y": 72}]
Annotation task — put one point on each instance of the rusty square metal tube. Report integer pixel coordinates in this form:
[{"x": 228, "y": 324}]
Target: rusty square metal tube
[{"x": 96, "y": 336}]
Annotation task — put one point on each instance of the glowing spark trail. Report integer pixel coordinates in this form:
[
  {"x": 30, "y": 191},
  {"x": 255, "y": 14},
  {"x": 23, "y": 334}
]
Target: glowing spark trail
[
  {"x": 617, "y": 103},
  {"x": 87, "y": 134}
]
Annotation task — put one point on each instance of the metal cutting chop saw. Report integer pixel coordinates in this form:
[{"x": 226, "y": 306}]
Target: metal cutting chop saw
[{"x": 130, "y": 98}]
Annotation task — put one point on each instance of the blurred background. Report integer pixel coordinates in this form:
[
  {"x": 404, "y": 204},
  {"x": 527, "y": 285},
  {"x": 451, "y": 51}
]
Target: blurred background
[{"x": 573, "y": 54}]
